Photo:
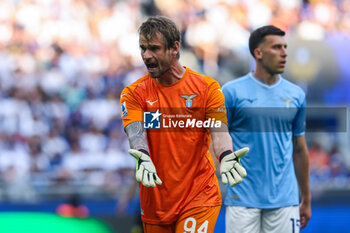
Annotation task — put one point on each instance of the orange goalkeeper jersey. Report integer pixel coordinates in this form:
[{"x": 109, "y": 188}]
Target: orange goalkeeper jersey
[{"x": 177, "y": 118}]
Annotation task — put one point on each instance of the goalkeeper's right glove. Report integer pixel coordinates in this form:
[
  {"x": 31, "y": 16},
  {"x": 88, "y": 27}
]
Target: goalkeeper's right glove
[
  {"x": 145, "y": 170},
  {"x": 230, "y": 169}
]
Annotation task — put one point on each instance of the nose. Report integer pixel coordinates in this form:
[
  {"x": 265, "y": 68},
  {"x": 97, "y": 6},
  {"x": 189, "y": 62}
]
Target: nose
[
  {"x": 146, "y": 54},
  {"x": 284, "y": 52}
]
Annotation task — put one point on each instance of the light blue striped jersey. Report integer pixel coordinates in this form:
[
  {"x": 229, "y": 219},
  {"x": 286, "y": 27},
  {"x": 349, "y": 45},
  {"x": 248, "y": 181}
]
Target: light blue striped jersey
[{"x": 265, "y": 118}]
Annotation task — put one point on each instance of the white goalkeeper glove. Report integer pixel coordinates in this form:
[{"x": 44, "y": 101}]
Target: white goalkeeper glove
[
  {"x": 145, "y": 170},
  {"x": 230, "y": 169}
]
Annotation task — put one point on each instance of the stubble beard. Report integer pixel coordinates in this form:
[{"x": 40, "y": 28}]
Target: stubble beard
[
  {"x": 274, "y": 71},
  {"x": 160, "y": 72}
]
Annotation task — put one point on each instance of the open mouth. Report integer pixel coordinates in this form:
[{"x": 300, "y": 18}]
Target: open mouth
[{"x": 152, "y": 65}]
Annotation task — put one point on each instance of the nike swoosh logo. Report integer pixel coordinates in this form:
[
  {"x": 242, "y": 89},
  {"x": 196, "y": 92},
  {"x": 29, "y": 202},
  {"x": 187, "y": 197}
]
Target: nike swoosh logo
[
  {"x": 151, "y": 102},
  {"x": 250, "y": 100}
]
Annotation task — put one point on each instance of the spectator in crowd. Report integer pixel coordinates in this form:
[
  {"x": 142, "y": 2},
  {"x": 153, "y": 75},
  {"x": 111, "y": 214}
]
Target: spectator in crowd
[{"x": 319, "y": 159}]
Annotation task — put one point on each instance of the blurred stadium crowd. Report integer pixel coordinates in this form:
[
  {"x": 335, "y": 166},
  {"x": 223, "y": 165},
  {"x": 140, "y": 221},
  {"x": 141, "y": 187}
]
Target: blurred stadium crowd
[{"x": 63, "y": 64}]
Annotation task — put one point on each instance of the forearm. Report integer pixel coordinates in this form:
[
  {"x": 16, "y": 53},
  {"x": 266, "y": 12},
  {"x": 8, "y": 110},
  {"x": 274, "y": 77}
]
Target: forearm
[
  {"x": 137, "y": 136},
  {"x": 301, "y": 166},
  {"x": 145, "y": 169},
  {"x": 221, "y": 140},
  {"x": 302, "y": 174},
  {"x": 231, "y": 170}
]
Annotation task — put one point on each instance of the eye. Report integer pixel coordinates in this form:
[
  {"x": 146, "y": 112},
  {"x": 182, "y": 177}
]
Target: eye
[{"x": 154, "y": 48}]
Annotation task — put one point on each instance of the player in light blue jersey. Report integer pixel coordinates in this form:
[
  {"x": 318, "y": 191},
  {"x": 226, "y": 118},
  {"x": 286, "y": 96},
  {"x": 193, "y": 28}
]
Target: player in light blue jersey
[{"x": 267, "y": 114}]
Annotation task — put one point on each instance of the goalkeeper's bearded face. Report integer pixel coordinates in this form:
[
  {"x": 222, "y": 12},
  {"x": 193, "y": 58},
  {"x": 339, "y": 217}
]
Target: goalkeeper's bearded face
[{"x": 156, "y": 56}]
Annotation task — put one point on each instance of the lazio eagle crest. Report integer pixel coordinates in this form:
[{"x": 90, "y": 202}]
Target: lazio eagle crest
[{"x": 188, "y": 99}]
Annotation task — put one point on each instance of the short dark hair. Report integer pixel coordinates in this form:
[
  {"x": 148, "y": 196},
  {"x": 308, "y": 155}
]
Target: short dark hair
[
  {"x": 258, "y": 36},
  {"x": 164, "y": 26}
]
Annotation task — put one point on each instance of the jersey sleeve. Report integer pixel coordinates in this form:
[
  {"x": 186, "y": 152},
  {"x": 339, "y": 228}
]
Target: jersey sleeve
[
  {"x": 299, "y": 122},
  {"x": 131, "y": 109},
  {"x": 215, "y": 108}
]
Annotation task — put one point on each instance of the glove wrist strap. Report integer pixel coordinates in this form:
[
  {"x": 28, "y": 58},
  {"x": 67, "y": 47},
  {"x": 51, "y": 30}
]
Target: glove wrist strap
[
  {"x": 223, "y": 154},
  {"x": 139, "y": 161},
  {"x": 144, "y": 151}
]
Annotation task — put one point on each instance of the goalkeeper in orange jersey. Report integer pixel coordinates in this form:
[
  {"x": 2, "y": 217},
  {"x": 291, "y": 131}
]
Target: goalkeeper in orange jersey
[{"x": 170, "y": 115}]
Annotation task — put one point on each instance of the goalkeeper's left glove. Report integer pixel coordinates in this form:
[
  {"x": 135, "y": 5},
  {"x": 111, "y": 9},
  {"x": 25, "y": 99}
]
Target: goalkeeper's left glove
[
  {"x": 230, "y": 169},
  {"x": 145, "y": 169}
]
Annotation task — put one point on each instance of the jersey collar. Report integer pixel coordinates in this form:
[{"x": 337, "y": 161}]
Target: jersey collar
[
  {"x": 258, "y": 81},
  {"x": 171, "y": 85}
]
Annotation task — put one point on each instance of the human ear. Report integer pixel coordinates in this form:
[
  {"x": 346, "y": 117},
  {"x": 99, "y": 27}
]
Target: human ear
[
  {"x": 258, "y": 53},
  {"x": 176, "y": 48}
]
